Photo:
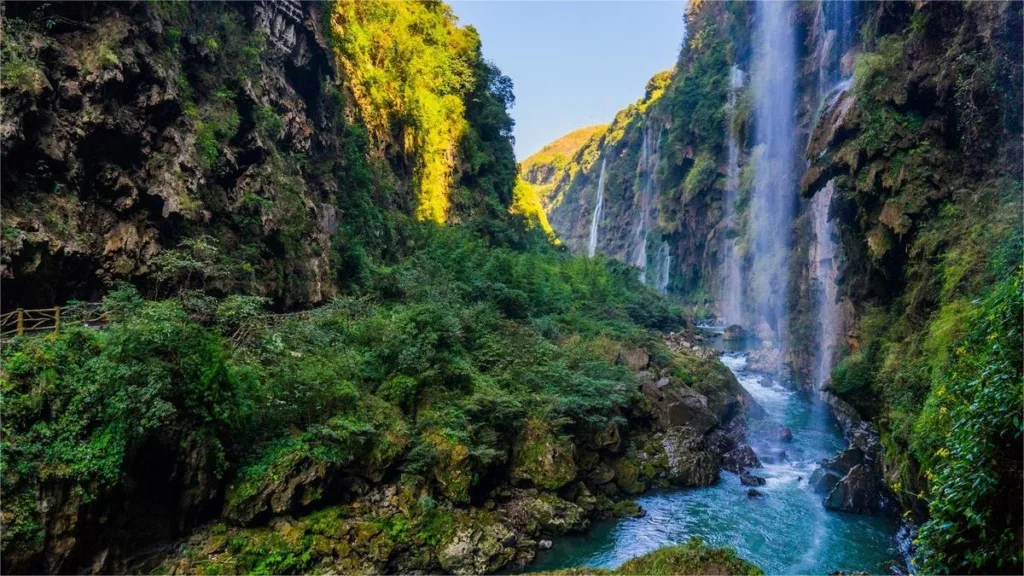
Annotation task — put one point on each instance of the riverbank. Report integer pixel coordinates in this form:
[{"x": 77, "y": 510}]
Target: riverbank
[{"x": 784, "y": 529}]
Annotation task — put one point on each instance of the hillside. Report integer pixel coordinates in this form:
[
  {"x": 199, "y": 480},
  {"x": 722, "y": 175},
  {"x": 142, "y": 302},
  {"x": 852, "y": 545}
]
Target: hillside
[{"x": 541, "y": 167}]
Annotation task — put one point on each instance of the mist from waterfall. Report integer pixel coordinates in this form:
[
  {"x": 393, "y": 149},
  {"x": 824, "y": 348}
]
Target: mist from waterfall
[
  {"x": 732, "y": 275},
  {"x": 774, "y": 190},
  {"x": 646, "y": 165},
  {"x": 592, "y": 244}
]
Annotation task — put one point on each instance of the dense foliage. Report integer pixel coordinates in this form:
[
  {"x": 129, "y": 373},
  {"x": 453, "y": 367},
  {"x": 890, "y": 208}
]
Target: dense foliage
[
  {"x": 434, "y": 362},
  {"x": 422, "y": 88}
]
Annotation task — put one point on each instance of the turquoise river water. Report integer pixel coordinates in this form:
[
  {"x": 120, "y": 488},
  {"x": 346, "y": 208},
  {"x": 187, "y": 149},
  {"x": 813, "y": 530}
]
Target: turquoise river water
[{"x": 788, "y": 531}]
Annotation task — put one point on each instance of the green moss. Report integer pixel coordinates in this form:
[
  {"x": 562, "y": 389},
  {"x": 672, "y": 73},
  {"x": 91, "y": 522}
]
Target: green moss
[{"x": 694, "y": 557}]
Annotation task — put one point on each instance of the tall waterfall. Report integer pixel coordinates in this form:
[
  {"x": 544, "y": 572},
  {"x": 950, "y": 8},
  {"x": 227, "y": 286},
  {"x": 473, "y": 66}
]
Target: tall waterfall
[
  {"x": 646, "y": 165},
  {"x": 824, "y": 265},
  {"x": 774, "y": 191},
  {"x": 592, "y": 245},
  {"x": 732, "y": 275},
  {"x": 835, "y": 27}
]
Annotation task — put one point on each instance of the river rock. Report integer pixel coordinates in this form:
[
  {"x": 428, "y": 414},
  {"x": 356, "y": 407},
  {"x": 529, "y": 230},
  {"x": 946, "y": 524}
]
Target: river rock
[
  {"x": 546, "y": 513},
  {"x": 751, "y": 480},
  {"x": 857, "y": 492},
  {"x": 680, "y": 405},
  {"x": 784, "y": 434},
  {"x": 740, "y": 458},
  {"x": 689, "y": 464},
  {"x": 477, "y": 549},
  {"x": 734, "y": 333},
  {"x": 719, "y": 441},
  {"x": 754, "y": 494},
  {"x": 628, "y": 509},
  {"x": 822, "y": 480}
]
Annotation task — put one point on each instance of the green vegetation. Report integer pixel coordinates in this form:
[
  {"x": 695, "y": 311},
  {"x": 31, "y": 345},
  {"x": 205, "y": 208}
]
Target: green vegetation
[
  {"x": 419, "y": 80},
  {"x": 932, "y": 241},
  {"x": 695, "y": 557},
  {"x": 542, "y": 166},
  {"x": 439, "y": 359}
]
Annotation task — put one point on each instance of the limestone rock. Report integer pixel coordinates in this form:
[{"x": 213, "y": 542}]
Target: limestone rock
[
  {"x": 734, "y": 333},
  {"x": 680, "y": 405},
  {"x": 689, "y": 464},
  {"x": 542, "y": 458},
  {"x": 546, "y": 514},
  {"x": 740, "y": 458},
  {"x": 477, "y": 549}
]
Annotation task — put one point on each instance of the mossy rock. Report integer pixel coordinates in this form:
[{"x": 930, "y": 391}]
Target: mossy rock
[
  {"x": 543, "y": 458},
  {"x": 627, "y": 476},
  {"x": 694, "y": 557},
  {"x": 452, "y": 470},
  {"x": 477, "y": 544},
  {"x": 553, "y": 515},
  {"x": 628, "y": 509},
  {"x": 281, "y": 482}
]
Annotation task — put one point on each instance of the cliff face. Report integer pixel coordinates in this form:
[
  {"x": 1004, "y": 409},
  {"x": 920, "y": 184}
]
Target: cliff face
[
  {"x": 215, "y": 146},
  {"x": 903, "y": 229},
  {"x": 130, "y": 129},
  {"x": 665, "y": 167}
]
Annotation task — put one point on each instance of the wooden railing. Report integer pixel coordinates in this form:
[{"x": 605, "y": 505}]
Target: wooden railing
[
  {"x": 22, "y": 322},
  {"x": 34, "y": 321}
]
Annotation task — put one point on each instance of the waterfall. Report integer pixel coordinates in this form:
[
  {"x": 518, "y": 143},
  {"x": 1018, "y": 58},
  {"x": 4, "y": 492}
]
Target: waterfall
[
  {"x": 834, "y": 25},
  {"x": 824, "y": 268},
  {"x": 732, "y": 278},
  {"x": 592, "y": 245},
  {"x": 834, "y": 28},
  {"x": 774, "y": 191},
  {"x": 646, "y": 166},
  {"x": 664, "y": 258}
]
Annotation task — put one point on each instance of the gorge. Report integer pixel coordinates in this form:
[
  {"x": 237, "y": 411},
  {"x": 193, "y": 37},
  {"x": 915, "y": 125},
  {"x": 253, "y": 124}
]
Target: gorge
[{"x": 277, "y": 296}]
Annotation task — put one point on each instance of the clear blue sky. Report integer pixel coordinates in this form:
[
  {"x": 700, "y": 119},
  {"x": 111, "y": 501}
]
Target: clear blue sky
[{"x": 574, "y": 63}]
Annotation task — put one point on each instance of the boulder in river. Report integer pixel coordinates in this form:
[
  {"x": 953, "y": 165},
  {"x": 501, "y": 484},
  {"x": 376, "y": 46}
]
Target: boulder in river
[
  {"x": 751, "y": 480},
  {"x": 861, "y": 491},
  {"x": 823, "y": 480},
  {"x": 754, "y": 494},
  {"x": 740, "y": 458},
  {"x": 689, "y": 464},
  {"x": 734, "y": 333}
]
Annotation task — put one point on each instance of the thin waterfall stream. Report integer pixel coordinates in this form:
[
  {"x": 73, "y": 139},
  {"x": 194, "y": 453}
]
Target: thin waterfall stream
[{"x": 596, "y": 221}]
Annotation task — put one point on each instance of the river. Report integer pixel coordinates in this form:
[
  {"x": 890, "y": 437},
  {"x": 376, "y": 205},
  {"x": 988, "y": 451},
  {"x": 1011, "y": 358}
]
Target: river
[{"x": 787, "y": 531}]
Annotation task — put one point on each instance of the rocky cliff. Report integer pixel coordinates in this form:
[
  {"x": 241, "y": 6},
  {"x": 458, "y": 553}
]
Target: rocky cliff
[
  {"x": 217, "y": 146},
  {"x": 904, "y": 234}
]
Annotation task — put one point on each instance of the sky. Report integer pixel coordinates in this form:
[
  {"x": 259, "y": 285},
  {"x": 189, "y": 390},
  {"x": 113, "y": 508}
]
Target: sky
[{"x": 574, "y": 63}]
